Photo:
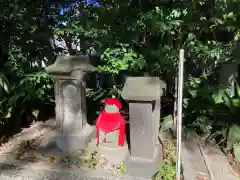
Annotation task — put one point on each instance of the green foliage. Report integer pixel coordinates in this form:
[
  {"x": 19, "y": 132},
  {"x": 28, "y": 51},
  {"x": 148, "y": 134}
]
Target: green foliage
[
  {"x": 121, "y": 58},
  {"x": 233, "y": 136},
  {"x": 40, "y": 85},
  {"x": 33, "y": 90},
  {"x": 91, "y": 161},
  {"x": 168, "y": 169},
  {"x": 96, "y": 97},
  {"x": 26, "y": 29},
  {"x": 121, "y": 168},
  {"x": 99, "y": 94},
  {"x": 236, "y": 152},
  {"x": 216, "y": 117},
  {"x": 167, "y": 123}
]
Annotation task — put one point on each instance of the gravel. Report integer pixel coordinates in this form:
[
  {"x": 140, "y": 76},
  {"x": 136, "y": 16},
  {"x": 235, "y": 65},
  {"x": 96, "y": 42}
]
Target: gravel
[{"x": 15, "y": 172}]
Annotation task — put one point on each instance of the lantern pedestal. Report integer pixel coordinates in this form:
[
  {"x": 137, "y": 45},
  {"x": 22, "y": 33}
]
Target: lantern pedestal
[{"x": 75, "y": 140}]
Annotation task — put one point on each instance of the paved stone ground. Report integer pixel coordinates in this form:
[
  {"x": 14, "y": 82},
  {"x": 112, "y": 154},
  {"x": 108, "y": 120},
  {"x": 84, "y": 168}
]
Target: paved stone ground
[
  {"x": 218, "y": 164},
  {"x": 205, "y": 162},
  {"x": 36, "y": 172},
  {"x": 193, "y": 162}
]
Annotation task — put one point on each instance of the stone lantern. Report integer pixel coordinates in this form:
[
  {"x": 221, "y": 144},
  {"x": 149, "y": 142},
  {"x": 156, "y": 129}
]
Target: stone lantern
[{"x": 69, "y": 73}]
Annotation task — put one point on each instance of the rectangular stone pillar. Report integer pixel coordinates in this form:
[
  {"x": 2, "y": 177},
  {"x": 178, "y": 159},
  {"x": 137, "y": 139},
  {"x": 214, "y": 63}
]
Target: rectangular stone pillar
[
  {"x": 69, "y": 74},
  {"x": 142, "y": 130},
  {"x": 143, "y": 95}
]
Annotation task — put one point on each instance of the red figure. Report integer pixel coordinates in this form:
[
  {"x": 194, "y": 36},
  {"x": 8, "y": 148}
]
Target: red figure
[{"x": 111, "y": 121}]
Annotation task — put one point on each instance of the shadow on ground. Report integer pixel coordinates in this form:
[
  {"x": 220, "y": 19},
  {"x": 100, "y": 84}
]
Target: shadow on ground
[{"x": 20, "y": 161}]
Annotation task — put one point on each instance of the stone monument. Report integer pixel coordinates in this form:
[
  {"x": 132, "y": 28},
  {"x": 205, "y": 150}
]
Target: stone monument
[
  {"x": 69, "y": 74},
  {"x": 143, "y": 95}
]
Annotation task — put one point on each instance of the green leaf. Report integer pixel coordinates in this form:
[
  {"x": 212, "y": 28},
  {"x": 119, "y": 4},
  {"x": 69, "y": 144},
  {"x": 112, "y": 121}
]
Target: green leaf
[
  {"x": 167, "y": 122},
  {"x": 9, "y": 114},
  {"x": 218, "y": 96},
  {"x": 236, "y": 102},
  {"x": 230, "y": 15},
  {"x": 236, "y": 151},
  {"x": 162, "y": 25},
  {"x": 217, "y": 21},
  {"x": 35, "y": 113},
  {"x": 4, "y": 83},
  {"x": 175, "y": 22},
  {"x": 185, "y": 101},
  {"x": 193, "y": 93},
  {"x": 238, "y": 89},
  {"x": 233, "y": 136},
  {"x": 227, "y": 100}
]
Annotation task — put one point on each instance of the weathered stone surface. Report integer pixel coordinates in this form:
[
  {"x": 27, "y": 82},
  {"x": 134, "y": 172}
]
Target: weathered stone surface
[
  {"x": 143, "y": 89},
  {"x": 156, "y": 118},
  {"x": 144, "y": 167},
  {"x": 193, "y": 161},
  {"x": 76, "y": 139},
  {"x": 70, "y": 107},
  {"x": 141, "y": 130},
  {"x": 48, "y": 172},
  {"x": 111, "y": 139},
  {"x": 143, "y": 95},
  {"x": 217, "y": 164},
  {"x": 113, "y": 153},
  {"x": 71, "y": 114},
  {"x": 68, "y": 64}
]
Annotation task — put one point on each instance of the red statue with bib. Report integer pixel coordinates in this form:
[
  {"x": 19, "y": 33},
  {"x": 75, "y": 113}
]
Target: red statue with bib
[{"x": 111, "y": 120}]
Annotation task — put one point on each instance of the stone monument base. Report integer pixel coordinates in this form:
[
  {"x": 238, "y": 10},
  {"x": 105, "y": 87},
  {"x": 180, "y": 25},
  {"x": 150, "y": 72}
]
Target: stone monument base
[
  {"x": 76, "y": 140},
  {"x": 114, "y": 155},
  {"x": 143, "y": 167}
]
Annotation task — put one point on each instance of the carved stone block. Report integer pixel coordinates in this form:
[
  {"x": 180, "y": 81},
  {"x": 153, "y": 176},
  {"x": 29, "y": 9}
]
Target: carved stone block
[{"x": 143, "y": 95}]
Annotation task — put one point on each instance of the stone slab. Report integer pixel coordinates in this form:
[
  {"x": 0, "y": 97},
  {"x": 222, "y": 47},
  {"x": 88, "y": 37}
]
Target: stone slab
[
  {"x": 67, "y": 64},
  {"x": 142, "y": 130},
  {"x": 142, "y": 167},
  {"x": 193, "y": 161},
  {"x": 218, "y": 164},
  {"x": 114, "y": 155},
  {"x": 143, "y": 88}
]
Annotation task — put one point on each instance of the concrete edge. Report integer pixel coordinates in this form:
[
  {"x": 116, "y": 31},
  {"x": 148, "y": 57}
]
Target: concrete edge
[{"x": 206, "y": 162}]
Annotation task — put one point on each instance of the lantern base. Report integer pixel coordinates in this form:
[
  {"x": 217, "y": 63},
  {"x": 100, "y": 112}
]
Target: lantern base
[{"x": 76, "y": 140}]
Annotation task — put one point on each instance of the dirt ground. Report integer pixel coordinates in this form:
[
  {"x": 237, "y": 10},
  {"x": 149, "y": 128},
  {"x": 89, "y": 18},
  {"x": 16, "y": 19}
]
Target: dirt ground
[
  {"x": 29, "y": 139},
  {"x": 36, "y": 144}
]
